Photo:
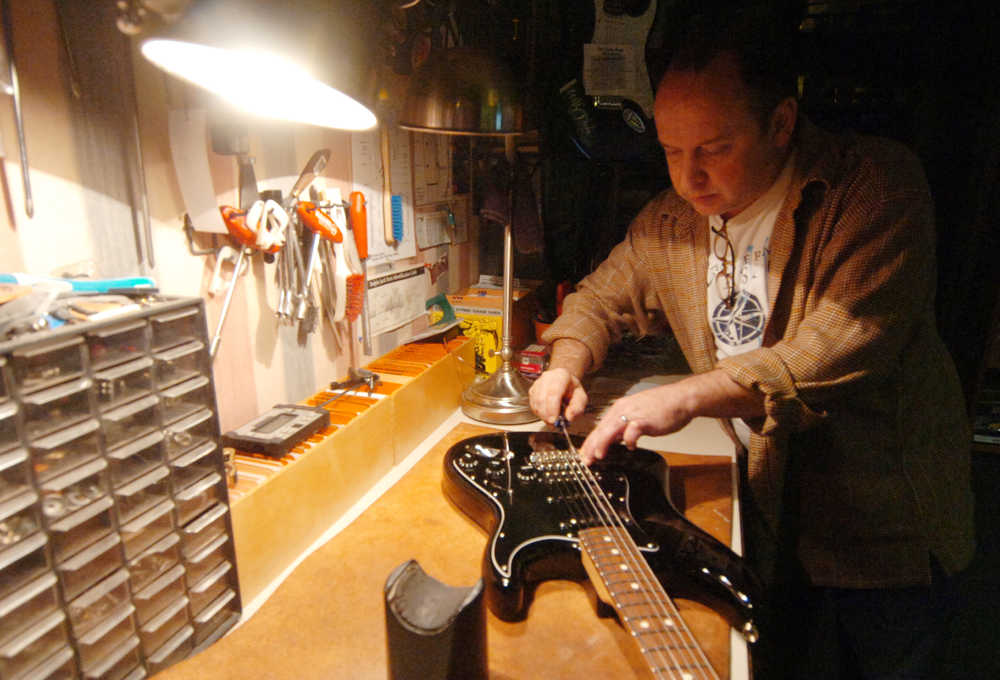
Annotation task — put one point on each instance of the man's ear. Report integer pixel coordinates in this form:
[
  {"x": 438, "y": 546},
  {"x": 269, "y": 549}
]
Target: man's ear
[{"x": 783, "y": 120}]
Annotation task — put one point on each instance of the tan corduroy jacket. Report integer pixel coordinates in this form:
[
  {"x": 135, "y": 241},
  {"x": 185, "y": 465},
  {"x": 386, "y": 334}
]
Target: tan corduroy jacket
[{"x": 865, "y": 415}]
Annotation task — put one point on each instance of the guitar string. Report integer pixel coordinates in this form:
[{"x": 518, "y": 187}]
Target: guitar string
[
  {"x": 603, "y": 510},
  {"x": 587, "y": 482},
  {"x": 696, "y": 660},
  {"x": 663, "y": 654}
]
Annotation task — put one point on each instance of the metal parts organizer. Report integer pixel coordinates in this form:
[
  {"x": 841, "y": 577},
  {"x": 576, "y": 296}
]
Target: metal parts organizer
[{"x": 116, "y": 545}]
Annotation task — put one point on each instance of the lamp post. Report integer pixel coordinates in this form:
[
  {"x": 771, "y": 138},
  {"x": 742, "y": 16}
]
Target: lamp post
[{"x": 464, "y": 91}]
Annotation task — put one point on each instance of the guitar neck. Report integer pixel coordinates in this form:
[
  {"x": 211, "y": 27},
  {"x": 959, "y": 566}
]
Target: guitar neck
[{"x": 624, "y": 579}]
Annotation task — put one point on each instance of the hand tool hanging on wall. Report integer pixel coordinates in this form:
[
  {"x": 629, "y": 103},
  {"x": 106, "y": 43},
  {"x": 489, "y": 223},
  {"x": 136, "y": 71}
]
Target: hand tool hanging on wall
[
  {"x": 263, "y": 228},
  {"x": 359, "y": 226},
  {"x": 235, "y": 221},
  {"x": 8, "y": 36},
  {"x": 291, "y": 268},
  {"x": 322, "y": 226}
]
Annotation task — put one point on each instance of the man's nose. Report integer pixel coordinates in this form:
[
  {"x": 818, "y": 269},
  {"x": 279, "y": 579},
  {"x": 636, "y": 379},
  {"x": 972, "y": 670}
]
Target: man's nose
[
  {"x": 689, "y": 174},
  {"x": 694, "y": 175}
]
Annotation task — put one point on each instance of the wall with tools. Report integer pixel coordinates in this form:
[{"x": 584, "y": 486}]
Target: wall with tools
[{"x": 117, "y": 153}]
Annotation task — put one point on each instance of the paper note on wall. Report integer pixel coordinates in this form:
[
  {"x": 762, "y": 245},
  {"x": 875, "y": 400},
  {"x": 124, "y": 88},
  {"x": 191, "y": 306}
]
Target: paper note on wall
[
  {"x": 366, "y": 169},
  {"x": 397, "y": 298}
]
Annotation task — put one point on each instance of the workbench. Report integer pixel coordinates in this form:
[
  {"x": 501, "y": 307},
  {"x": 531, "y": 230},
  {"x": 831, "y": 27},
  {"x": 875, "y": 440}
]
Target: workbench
[
  {"x": 318, "y": 536},
  {"x": 327, "y": 619}
]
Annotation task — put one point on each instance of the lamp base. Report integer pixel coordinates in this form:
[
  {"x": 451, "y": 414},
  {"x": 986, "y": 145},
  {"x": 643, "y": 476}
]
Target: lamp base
[{"x": 501, "y": 399}]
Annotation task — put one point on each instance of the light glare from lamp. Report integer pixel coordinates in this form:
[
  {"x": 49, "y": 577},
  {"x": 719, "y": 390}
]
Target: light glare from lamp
[{"x": 260, "y": 83}]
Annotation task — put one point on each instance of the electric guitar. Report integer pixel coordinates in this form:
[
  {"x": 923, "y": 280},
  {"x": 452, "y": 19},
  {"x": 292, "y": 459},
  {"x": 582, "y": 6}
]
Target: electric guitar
[
  {"x": 615, "y": 58},
  {"x": 610, "y": 105},
  {"x": 549, "y": 516}
]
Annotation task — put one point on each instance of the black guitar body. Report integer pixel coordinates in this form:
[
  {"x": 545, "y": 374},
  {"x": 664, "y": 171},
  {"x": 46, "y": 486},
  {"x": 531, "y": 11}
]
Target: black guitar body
[{"x": 518, "y": 487}]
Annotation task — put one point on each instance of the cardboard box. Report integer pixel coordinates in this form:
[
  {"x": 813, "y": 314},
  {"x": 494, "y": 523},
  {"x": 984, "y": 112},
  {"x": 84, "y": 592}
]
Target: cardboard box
[{"x": 480, "y": 310}]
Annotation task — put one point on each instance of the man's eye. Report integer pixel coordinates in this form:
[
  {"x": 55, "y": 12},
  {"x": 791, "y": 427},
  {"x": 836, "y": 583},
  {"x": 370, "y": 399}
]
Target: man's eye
[{"x": 716, "y": 149}]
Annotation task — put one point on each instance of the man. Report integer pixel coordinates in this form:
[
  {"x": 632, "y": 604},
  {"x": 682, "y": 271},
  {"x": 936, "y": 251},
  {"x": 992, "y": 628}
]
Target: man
[{"x": 796, "y": 270}]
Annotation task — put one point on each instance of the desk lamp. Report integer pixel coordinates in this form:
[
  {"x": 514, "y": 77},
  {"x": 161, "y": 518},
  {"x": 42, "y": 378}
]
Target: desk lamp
[
  {"x": 293, "y": 60},
  {"x": 466, "y": 91}
]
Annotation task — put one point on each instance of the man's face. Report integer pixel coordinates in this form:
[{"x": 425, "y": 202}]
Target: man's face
[{"x": 721, "y": 158}]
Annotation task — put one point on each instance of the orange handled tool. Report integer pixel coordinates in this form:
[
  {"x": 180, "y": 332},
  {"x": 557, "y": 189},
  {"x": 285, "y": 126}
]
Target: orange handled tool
[
  {"x": 236, "y": 223},
  {"x": 318, "y": 222},
  {"x": 359, "y": 223}
]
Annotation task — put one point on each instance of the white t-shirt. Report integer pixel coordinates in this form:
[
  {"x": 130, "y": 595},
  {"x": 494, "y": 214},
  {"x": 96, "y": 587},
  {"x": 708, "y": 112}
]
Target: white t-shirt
[{"x": 740, "y": 327}]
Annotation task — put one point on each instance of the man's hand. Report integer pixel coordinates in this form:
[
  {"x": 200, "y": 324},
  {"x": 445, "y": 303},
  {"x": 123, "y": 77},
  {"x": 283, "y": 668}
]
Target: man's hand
[
  {"x": 560, "y": 386},
  {"x": 668, "y": 408},
  {"x": 554, "y": 388},
  {"x": 658, "y": 410}
]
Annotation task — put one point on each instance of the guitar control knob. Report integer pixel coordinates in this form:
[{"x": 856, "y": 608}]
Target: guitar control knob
[
  {"x": 496, "y": 469},
  {"x": 526, "y": 473},
  {"x": 467, "y": 461}
]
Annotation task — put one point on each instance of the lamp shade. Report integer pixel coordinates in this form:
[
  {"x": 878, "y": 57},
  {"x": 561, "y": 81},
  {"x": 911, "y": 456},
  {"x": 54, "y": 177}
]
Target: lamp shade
[
  {"x": 463, "y": 91},
  {"x": 305, "y": 61}
]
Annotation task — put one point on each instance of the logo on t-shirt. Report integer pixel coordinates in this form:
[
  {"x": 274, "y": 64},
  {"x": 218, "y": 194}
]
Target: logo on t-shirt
[{"x": 740, "y": 324}]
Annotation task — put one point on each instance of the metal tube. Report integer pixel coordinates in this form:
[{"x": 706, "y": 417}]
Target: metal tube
[
  {"x": 214, "y": 347},
  {"x": 8, "y": 34}
]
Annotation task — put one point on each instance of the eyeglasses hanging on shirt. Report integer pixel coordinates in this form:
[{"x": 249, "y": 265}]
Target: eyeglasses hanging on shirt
[{"x": 725, "y": 279}]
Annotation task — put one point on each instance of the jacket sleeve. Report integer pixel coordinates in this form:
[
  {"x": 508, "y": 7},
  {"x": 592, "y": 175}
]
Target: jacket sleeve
[{"x": 864, "y": 288}]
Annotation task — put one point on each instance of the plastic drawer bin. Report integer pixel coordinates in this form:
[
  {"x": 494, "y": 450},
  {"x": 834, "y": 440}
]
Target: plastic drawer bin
[
  {"x": 199, "y": 496},
  {"x": 155, "y": 632},
  {"x": 147, "y": 528},
  {"x": 121, "y": 663},
  {"x": 9, "y": 436},
  {"x": 90, "y": 565},
  {"x": 186, "y": 398},
  {"x": 77, "y": 530},
  {"x": 19, "y": 518},
  {"x": 212, "y": 586},
  {"x": 69, "y": 492},
  {"x": 46, "y": 364},
  {"x": 151, "y": 600},
  {"x": 120, "y": 384},
  {"x": 155, "y": 560},
  {"x": 28, "y": 604},
  {"x": 56, "y": 407},
  {"x": 14, "y": 477},
  {"x": 33, "y": 646},
  {"x": 187, "y": 434},
  {"x": 66, "y": 449},
  {"x": 22, "y": 562},
  {"x": 96, "y": 604},
  {"x": 130, "y": 421},
  {"x": 141, "y": 494},
  {"x": 178, "y": 364},
  {"x": 177, "y": 648},
  {"x": 176, "y": 328},
  {"x": 118, "y": 343},
  {"x": 194, "y": 465},
  {"x": 206, "y": 559},
  {"x": 59, "y": 666},
  {"x": 135, "y": 458},
  {"x": 218, "y": 615},
  {"x": 106, "y": 636},
  {"x": 200, "y": 531}
]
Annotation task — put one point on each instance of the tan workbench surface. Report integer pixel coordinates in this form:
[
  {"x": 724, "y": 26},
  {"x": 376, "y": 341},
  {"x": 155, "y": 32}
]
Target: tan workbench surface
[{"x": 327, "y": 619}]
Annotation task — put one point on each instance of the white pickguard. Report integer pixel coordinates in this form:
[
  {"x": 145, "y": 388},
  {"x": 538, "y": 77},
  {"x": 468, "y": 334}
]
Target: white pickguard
[{"x": 614, "y": 62}]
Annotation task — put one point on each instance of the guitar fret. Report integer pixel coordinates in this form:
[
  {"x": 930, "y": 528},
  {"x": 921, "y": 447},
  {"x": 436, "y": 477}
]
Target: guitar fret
[
  {"x": 670, "y": 648},
  {"x": 685, "y": 670}
]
